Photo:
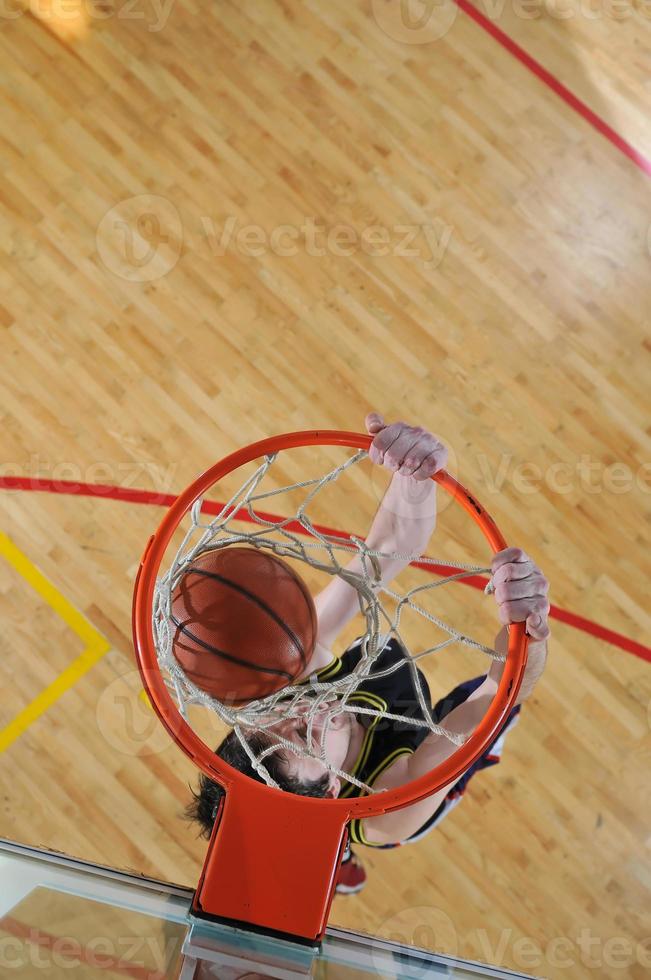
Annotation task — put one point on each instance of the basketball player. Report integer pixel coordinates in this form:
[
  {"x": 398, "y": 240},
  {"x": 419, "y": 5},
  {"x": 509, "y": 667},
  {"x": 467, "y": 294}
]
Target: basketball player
[{"x": 390, "y": 755}]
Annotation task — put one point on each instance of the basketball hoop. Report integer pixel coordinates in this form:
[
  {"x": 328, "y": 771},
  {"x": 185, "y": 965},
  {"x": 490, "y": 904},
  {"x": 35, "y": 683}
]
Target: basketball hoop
[{"x": 273, "y": 856}]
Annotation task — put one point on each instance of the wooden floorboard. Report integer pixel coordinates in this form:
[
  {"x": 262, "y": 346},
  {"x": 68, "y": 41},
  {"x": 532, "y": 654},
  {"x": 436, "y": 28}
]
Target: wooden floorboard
[{"x": 267, "y": 215}]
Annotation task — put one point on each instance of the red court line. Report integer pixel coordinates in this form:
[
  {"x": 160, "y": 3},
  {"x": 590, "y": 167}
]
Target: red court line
[
  {"x": 136, "y": 496},
  {"x": 584, "y": 110}
]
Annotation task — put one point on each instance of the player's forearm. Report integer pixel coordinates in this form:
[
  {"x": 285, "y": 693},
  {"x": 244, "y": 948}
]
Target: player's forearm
[
  {"x": 406, "y": 517},
  {"x": 462, "y": 720}
]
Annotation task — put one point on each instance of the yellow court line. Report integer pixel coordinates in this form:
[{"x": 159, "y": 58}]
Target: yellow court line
[{"x": 96, "y": 644}]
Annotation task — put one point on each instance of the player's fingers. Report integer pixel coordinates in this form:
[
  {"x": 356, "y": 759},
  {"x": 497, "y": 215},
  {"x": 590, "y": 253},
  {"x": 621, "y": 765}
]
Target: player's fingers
[
  {"x": 508, "y": 556},
  {"x": 409, "y": 451},
  {"x": 374, "y": 423},
  {"x": 404, "y": 446},
  {"x": 521, "y": 609},
  {"x": 537, "y": 627},
  {"x": 437, "y": 460},
  {"x": 512, "y": 572},
  {"x": 525, "y": 588},
  {"x": 383, "y": 441},
  {"x": 374, "y": 426}
]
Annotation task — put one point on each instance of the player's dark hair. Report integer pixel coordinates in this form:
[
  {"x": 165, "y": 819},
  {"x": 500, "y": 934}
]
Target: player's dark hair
[{"x": 205, "y": 803}]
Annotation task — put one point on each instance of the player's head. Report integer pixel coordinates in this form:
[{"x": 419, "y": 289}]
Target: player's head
[{"x": 292, "y": 771}]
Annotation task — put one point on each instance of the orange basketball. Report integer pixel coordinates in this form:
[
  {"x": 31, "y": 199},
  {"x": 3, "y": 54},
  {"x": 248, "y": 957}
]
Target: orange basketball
[{"x": 245, "y": 624}]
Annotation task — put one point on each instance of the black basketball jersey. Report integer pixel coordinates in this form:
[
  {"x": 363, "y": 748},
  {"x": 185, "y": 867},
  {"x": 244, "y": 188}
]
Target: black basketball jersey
[{"x": 385, "y": 739}]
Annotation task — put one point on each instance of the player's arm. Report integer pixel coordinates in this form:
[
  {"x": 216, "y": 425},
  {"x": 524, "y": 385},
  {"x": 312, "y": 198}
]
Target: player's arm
[
  {"x": 403, "y": 523},
  {"x": 521, "y": 594}
]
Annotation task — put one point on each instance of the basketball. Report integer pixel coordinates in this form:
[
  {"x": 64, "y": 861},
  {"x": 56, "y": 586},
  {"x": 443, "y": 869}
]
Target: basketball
[{"x": 245, "y": 624}]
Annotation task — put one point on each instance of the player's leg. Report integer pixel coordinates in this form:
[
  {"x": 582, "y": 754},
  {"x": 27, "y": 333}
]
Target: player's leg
[{"x": 352, "y": 876}]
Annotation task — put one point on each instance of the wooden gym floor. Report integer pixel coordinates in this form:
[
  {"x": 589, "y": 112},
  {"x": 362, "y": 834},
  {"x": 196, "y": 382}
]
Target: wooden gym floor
[{"x": 490, "y": 279}]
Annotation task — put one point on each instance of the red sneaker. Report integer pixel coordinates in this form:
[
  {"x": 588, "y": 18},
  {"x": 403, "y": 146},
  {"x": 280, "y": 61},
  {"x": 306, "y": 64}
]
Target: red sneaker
[{"x": 351, "y": 878}]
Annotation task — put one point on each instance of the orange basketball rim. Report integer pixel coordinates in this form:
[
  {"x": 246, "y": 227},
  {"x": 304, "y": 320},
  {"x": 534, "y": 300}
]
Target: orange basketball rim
[{"x": 273, "y": 856}]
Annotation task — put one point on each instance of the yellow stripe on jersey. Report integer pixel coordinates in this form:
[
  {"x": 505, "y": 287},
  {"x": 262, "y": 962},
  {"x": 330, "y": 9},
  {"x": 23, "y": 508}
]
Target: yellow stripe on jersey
[
  {"x": 392, "y": 756},
  {"x": 355, "y": 829},
  {"x": 330, "y": 671},
  {"x": 380, "y": 705}
]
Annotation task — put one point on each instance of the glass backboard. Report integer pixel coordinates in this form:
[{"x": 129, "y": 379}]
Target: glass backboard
[{"x": 61, "y": 918}]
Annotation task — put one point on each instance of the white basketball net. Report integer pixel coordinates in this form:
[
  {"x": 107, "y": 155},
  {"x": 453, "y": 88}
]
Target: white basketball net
[{"x": 328, "y": 554}]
